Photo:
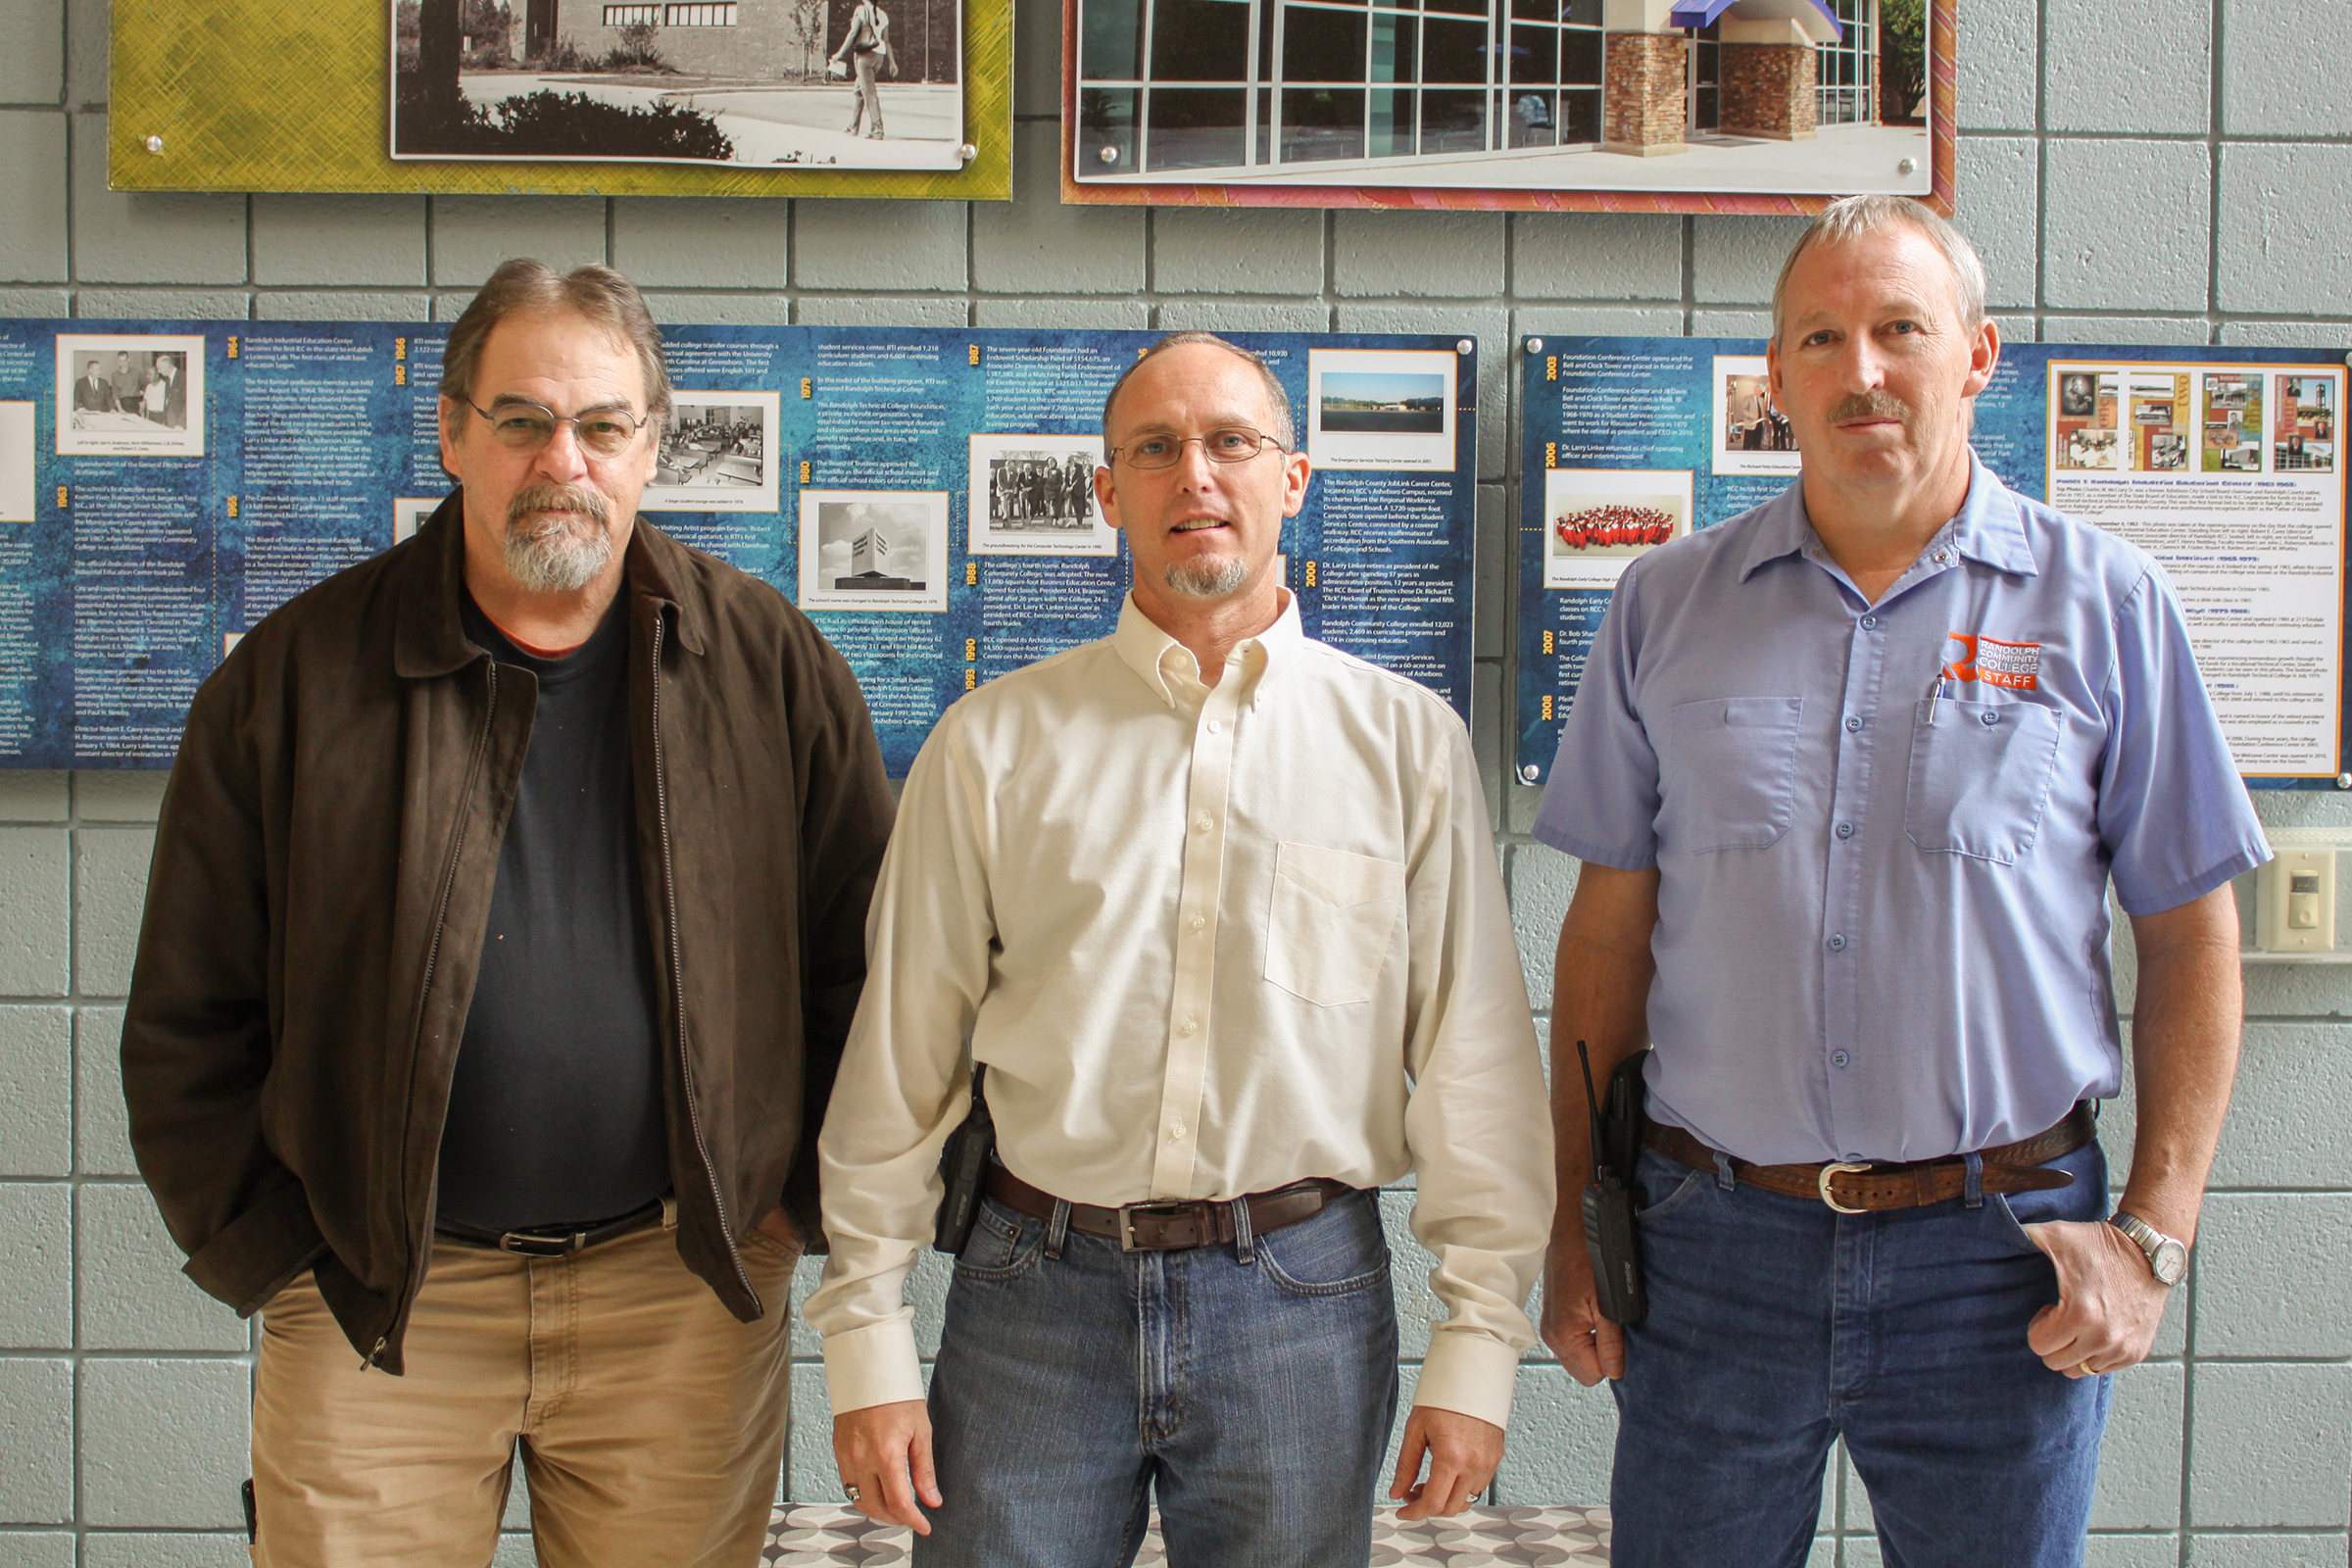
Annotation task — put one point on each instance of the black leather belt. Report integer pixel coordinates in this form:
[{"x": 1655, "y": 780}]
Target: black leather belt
[
  {"x": 1167, "y": 1227},
  {"x": 552, "y": 1241}
]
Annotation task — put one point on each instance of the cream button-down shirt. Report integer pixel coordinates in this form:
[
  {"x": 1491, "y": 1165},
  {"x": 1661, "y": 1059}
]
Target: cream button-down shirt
[{"x": 1208, "y": 941}]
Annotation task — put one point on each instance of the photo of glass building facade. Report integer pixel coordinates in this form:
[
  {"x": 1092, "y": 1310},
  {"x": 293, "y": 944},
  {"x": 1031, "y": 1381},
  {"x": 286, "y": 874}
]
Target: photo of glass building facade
[{"x": 1254, "y": 87}]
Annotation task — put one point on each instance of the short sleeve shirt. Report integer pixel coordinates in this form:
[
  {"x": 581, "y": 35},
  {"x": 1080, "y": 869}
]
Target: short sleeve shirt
[{"x": 1884, "y": 831}]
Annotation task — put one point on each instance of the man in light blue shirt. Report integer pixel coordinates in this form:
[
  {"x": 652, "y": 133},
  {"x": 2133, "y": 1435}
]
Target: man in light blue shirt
[{"x": 1850, "y": 776}]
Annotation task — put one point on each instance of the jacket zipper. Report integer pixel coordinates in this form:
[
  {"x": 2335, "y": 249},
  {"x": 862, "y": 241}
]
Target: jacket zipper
[
  {"x": 433, "y": 961},
  {"x": 677, "y": 981}
]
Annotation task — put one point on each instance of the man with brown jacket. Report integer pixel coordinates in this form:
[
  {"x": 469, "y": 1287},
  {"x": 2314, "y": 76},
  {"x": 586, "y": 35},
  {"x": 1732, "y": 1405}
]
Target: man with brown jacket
[{"x": 506, "y": 921}]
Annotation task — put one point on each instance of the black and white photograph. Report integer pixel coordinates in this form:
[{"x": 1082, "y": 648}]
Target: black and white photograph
[
  {"x": 1034, "y": 495},
  {"x": 1381, "y": 408},
  {"x": 408, "y": 513},
  {"x": 124, "y": 395},
  {"x": 764, "y": 84},
  {"x": 15, "y": 462},
  {"x": 717, "y": 454},
  {"x": 874, "y": 550},
  {"x": 1677, "y": 99},
  {"x": 1597, "y": 519},
  {"x": 1751, "y": 435}
]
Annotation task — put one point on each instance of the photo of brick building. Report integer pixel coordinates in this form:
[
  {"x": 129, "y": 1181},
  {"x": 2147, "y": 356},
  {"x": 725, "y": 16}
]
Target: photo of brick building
[{"x": 1766, "y": 95}]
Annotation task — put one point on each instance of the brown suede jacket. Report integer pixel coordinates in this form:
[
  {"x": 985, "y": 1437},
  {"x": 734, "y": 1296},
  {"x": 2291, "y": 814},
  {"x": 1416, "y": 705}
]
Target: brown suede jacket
[{"x": 322, "y": 882}]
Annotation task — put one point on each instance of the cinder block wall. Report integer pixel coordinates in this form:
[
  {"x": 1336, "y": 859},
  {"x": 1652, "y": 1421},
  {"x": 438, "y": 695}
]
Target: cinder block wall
[{"x": 2166, "y": 170}]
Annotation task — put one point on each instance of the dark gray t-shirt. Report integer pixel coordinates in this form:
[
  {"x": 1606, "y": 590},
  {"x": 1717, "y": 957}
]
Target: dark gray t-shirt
[{"x": 556, "y": 1112}]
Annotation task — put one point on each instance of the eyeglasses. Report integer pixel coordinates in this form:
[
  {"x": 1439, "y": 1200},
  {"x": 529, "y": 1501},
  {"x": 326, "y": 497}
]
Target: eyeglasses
[
  {"x": 526, "y": 426},
  {"x": 1231, "y": 443}
]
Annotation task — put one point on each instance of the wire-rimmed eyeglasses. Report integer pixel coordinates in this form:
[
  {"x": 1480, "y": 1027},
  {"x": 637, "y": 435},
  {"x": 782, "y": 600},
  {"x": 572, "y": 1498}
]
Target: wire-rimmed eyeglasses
[
  {"x": 1229, "y": 443},
  {"x": 528, "y": 427}
]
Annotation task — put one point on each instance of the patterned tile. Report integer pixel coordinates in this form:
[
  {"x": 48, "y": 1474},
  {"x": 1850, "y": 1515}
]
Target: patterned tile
[{"x": 832, "y": 1536}]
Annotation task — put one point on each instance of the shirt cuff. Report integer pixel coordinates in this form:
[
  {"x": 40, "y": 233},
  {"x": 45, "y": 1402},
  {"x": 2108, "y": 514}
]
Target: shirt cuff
[
  {"x": 876, "y": 1365},
  {"x": 1467, "y": 1373}
]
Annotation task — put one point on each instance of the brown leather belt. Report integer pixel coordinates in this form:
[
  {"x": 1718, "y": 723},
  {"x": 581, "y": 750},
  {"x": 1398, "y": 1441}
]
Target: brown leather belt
[
  {"x": 1168, "y": 1226},
  {"x": 1857, "y": 1186}
]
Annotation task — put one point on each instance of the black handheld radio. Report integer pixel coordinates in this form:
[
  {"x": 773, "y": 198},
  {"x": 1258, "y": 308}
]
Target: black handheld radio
[
  {"x": 1611, "y": 1235},
  {"x": 963, "y": 1170}
]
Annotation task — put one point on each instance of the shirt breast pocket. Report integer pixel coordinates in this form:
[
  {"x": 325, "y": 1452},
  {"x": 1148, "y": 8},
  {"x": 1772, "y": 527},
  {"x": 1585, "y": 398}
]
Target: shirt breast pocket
[
  {"x": 1328, "y": 930},
  {"x": 1734, "y": 780},
  {"x": 1980, "y": 777}
]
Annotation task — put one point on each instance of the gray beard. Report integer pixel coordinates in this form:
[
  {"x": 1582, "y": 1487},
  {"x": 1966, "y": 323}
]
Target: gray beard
[
  {"x": 1206, "y": 576},
  {"x": 550, "y": 558}
]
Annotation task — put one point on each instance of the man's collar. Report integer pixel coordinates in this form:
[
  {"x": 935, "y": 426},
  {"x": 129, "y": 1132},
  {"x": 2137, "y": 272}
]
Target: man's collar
[
  {"x": 1988, "y": 528},
  {"x": 430, "y": 638},
  {"x": 1144, "y": 647}
]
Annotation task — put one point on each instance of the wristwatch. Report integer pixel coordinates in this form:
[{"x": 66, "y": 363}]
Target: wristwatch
[{"x": 2168, "y": 1258}]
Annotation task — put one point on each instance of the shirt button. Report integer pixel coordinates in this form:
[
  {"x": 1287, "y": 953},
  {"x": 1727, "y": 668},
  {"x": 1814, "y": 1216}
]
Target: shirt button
[
  {"x": 1845, "y": 830},
  {"x": 1989, "y": 717},
  {"x": 1836, "y": 944},
  {"x": 1837, "y": 1058},
  {"x": 1199, "y": 921},
  {"x": 1870, "y": 623},
  {"x": 1852, "y": 725},
  {"x": 1190, "y": 1026},
  {"x": 1214, "y": 726},
  {"x": 1201, "y": 825},
  {"x": 1176, "y": 1132},
  {"x": 1939, "y": 557}
]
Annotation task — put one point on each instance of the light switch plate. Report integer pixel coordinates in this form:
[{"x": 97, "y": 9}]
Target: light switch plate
[{"x": 2294, "y": 901}]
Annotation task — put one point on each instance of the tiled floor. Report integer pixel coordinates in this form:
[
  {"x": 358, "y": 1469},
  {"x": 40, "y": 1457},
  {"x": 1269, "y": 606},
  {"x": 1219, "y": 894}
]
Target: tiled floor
[{"x": 830, "y": 1535}]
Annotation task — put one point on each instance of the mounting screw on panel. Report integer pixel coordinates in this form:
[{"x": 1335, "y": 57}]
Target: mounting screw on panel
[
  {"x": 970, "y": 152},
  {"x": 1909, "y": 165},
  {"x": 1465, "y": 346},
  {"x": 1535, "y": 345},
  {"x": 1531, "y": 773},
  {"x": 2344, "y": 781},
  {"x": 154, "y": 144},
  {"x": 1108, "y": 154}
]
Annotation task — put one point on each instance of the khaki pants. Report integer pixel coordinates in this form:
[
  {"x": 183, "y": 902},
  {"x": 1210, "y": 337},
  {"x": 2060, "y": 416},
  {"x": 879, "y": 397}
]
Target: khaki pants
[{"x": 650, "y": 1421}]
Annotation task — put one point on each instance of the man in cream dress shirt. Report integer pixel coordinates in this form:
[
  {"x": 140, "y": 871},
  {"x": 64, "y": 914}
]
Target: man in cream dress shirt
[{"x": 1217, "y": 907}]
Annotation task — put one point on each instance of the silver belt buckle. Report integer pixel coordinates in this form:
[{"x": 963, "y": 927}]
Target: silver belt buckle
[
  {"x": 1128, "y": 1211},
  {"x": 1832, "y": 1169}
]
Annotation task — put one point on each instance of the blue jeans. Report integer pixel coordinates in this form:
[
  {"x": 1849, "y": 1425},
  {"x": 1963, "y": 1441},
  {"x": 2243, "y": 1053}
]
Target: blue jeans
[
  {"x": 1777, "y": 1325},
  {"x": 1250, "y": 1386}
]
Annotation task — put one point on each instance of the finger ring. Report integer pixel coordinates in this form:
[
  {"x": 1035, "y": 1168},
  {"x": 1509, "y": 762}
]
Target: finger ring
[
  {"x": 2085, "y": 1370},
  {"x": 850, "y": 1489}
]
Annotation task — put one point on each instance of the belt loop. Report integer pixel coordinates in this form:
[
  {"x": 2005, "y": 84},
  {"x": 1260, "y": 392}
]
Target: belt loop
[
  {"x": 670, "y": 1213},
  {"x": 1972, "y": 1186},
  {"x": 1057, "y": 1229},
  {"x": 1244, "y": 1240},
  {"x": 1723, "y": 1171}
]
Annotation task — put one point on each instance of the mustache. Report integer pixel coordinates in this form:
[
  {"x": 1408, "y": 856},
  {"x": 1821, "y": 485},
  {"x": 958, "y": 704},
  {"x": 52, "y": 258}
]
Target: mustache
[
  {"x": 547, "y": 497},
  {"x": 1870, "y": 404}
]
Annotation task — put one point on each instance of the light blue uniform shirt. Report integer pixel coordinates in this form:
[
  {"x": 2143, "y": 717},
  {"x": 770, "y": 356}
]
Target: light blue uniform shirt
[{"x": 1882, "y": 921}]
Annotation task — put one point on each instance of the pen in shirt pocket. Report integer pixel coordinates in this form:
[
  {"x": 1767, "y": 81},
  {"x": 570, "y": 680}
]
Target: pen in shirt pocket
[{"x": 1935, "y": 694}]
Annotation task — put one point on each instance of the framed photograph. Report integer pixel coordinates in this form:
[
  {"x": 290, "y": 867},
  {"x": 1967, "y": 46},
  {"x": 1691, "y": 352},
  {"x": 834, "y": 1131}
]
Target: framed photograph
[
  {"x": 895, "y": 98},
  {"x": 1757, "y": 105},
  {"x": 15, "y": 462},
  {"x": 2303, "y": 437},
  {"x": 759, "y": 83},
  {"x": 1752, "y": 434},
  {"x": 874, "y": 550},
  {"x": 129, "y": 395},
  {"x": 2232, "y": 421},
  {"x": 408, "y": 513},
  {"x": 1597, "y": 519},
  {"x": 1381, "y": 408},
  {"x": 718, "y": 454},
  {"x": 1034, "y": 495}
]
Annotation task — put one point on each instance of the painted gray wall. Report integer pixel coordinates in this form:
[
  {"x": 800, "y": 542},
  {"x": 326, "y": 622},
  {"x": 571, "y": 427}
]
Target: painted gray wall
[{"x": 2136, "y": 170}]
